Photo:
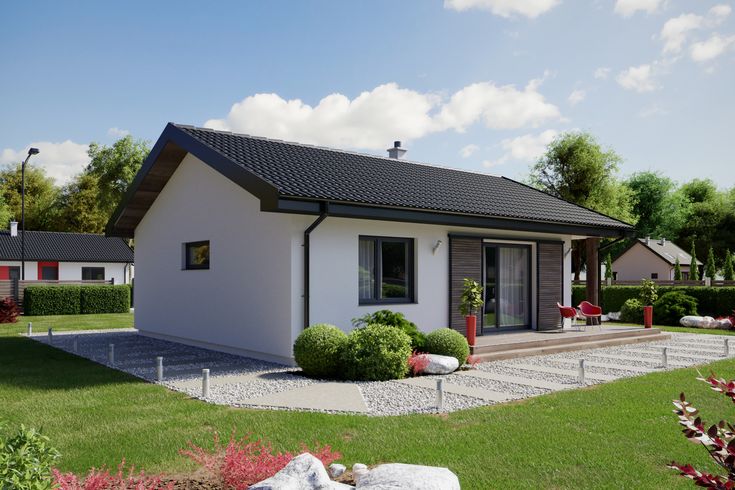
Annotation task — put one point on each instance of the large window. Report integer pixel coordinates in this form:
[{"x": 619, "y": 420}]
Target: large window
[
  {"x": 385, "y": 270},
  {"x": 93, "y": 273},
  {"x": 196, "y": 255}
]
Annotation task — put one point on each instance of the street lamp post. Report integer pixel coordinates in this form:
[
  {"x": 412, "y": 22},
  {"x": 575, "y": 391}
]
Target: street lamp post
[{"x": 31, "y": 151}]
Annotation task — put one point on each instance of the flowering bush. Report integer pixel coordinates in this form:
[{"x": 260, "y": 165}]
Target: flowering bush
[
  {"x": 473, "y": 360},
  {"x": 9, "y": 310},
  {"x": 719, "y": 439},
  {"x": 244, "y": 462},
  {"x": 102, "y": 479},
  {"x": 417, "y": 363}
]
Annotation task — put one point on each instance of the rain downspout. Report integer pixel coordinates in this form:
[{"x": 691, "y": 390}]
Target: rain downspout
[{"x": 322, "y": 216}]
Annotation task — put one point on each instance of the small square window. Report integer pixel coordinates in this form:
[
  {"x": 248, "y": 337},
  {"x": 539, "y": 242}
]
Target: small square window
[
  {"x": 196, "y": 255},
  {"x": 654, "y": 275}
]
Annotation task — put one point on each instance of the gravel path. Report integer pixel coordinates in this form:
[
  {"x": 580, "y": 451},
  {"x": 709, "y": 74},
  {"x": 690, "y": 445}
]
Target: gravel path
[{"x": 241, "y": 382}]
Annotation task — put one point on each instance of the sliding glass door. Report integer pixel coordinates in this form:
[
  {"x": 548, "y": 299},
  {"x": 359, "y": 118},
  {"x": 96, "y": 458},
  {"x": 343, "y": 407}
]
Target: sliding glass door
[{"x": 507, "y": 286}]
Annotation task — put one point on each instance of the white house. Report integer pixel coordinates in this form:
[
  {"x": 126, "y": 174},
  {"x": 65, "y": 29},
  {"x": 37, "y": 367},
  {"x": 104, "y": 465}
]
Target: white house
[
  {"x": 52, "y": 255},
  {"x": 241, "y": 242},
  {"x": 651, "y": 259}
]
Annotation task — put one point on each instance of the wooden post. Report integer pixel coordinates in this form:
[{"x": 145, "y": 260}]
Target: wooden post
[{"x": 593, "y": 271}]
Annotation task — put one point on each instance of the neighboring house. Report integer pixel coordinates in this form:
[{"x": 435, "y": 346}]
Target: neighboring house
[
  {"x": 241, "y": 242},
  {"x": 65, "y": 256},
  {"x": 651, "y": 259}
]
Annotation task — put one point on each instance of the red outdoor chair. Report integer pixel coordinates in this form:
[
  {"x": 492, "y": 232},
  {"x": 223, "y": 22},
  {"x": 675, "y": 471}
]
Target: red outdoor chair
[
  {"x": 593, "y": 312},
  {"x": 568, "y": 312}
]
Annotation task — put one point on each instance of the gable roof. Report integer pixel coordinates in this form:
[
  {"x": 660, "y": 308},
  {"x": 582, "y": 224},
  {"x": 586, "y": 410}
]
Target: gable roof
[
  {"x": 668, "y": 251},
  {"x": 294, "y": 177},
  {"x": 65, "y": 247}
]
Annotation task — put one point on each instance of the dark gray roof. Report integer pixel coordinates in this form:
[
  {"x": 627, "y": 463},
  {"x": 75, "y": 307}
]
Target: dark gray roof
[
  {"x": 311, "y": 172},
  {"x": 65, "y": 247},
  {"x": 668, "y": 251}
]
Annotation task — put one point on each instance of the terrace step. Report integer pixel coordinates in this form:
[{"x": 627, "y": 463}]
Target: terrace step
[{"x": 513, "y": 351}]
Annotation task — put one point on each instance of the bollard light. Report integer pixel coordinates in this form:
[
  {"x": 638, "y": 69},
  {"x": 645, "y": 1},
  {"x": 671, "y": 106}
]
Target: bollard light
[
  {"x": 50, "y": 335},
  {"x": 580, "y": 372},
  {"x": 30, "y": 328},
  {"x": 159, "y": 369},
  {"x": 440, "y": 394},
  {"x": 665, "y": 357},
  {"x": 205, "y": 383},
  {"x": 727, "y": 347},
  {"x": 111, "y": 354},
  {"x": 75, "y": 345}
]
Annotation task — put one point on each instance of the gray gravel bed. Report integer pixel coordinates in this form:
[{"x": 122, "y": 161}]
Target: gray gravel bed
[
  {"x": 393, "y": 398},
  {"x": 515, "y": 390}
]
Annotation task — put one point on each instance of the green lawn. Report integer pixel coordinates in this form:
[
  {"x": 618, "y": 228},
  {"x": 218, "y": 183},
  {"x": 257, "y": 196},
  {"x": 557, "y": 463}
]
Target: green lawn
[
  {"x": 618, "y": 435},
  {"x": 68, "y": 322}
]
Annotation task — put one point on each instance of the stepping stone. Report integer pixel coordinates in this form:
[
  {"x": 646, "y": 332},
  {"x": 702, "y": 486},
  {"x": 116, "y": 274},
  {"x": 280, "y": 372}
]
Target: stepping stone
[
  {"x": 609, "y": 365},
  {"x": 339, "y": 397},
  {"x": 572, "y": 373},
  {"x": 693, "y": 352},
  {"x": 653, "y": 360},
  {"x": 430, "y": 383},
  {"x": 505, "y": 378}
]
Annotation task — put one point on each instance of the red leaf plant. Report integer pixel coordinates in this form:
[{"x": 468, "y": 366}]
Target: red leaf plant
[
  {"x": 102, "y": 479},
  {"x": 718, "y": 439},
  {"x": 417, "y": 363},
  {"x": 9, "y": 310},
  {"x": 243, "y": 462},
  {"x": 473, "y": 361}
]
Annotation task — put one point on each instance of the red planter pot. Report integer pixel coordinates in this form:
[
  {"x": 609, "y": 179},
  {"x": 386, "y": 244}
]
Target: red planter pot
[
  {"x": 471, "y": 323},
  {"x": 648, "y": 316}
]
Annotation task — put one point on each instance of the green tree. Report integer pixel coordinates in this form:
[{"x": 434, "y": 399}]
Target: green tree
[
  {"x": 728, "y": 271},
  {"x": 608, "y": 267},
  {"x": 710, "y": 269},
  {"x": 650, "y": 195},
  {"x": 677, "y": 270},
  {"x": 79, "y": 206},
  {"x": 115, "y": 167},
  {"x": 576, "y": 168},
  {"x": 693, "y": 268},
  {"x": 41, "y": 196}
]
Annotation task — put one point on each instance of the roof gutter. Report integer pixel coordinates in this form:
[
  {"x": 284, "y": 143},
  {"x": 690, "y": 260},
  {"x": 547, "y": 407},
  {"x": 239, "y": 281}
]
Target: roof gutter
[{"x": 322, "y": 216}]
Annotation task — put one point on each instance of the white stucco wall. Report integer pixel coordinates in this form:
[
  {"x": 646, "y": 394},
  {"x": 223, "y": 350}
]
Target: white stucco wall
[
  {"x": 72, "y": 271},
  {"x": 639, "y": 263}
]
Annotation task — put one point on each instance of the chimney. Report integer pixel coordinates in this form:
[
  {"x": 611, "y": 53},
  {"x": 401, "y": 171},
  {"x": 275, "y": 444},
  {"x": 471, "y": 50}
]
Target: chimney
[
  {"x": 13, "y": 228},
  {"x": 648, "y": 240},
  {"x": 662, "y": 241},
  {"x": 396, "y": 151}
]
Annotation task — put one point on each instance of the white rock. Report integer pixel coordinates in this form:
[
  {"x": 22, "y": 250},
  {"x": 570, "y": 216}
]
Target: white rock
[
  {"x": 359, "y": 466},
  {"x": 705, "y": 322},
  {"x": 440, "y": 364},
  {"x": 336, "y": 469},
  {"x": 397, "y": 476},
  {"x": 304, "y": 472},
  {"x": 359, "y": 474}
]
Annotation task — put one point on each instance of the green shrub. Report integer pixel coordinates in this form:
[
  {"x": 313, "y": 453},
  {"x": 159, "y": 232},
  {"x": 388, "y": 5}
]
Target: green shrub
[
  {"x": 448, "y": 342},
  {"x": 376, "y": 353},
  {"x": 394, "y": 319},
  {"x": 26, "y": 459},
  {"x": 52, "y": 300},
  {"x": 105, "y": 299},
  {"x": 673, "y": 305},
  {"x": 318, "y": 350},
  {"x": 632, "y": 311}
]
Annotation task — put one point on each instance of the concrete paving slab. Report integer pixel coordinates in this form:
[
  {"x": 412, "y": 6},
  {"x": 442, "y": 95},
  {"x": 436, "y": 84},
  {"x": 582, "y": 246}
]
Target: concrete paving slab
[
  {"x": 338, "y": 397},
  {"x": 430, "y": 383},
  {"x": 519, "y": 380}
]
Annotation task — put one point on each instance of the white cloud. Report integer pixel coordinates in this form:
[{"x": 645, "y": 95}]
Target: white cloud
[
  {"x": 527, "y": 148},
  {"x": 62, "y": 161},
  {"x": 468, "y": 150},
  {"x": 491, "y": 163},
  {"x": 652, "y": 110},
  {"x": 504, "y": 8},
  {"x": 386, "y": 113},
  {"x": 637, "y": 78},
  {"x": 626, "y": 8},
  {"x": 720, "y": 12},
  {"x": 602, "y": 73},
  {"x": 711, "y": 48},
  {"x": 117, "y": 132},
  {"x": 576, "y": 96},
  {"x": 676, "y": 31}
]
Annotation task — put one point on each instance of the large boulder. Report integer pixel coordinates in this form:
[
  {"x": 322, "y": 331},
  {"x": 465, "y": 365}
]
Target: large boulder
[
  {"x": 440, "y": 364},
  {"x": 304, "y": 472},
  {"x": 705, "y": 322},
  {"x": 398, "y": 476}
]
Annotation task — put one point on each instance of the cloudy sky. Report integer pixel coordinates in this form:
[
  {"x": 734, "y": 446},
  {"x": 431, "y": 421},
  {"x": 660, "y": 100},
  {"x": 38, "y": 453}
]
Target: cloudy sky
[{"x": 476, "y": 84}]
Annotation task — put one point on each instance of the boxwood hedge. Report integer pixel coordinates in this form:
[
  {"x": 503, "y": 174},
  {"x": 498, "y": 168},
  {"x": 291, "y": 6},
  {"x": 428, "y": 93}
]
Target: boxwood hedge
[
  {"x": 75, "y": 299},
  {"x": 105, "y": 299}
]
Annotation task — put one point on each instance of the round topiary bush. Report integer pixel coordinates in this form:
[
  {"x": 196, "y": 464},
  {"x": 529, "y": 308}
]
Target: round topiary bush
[
  {"x": 448, "y": 342},
  {"x": 671, "y": 306},
  {"x": 632, "y": 311},
  {"x": 318, "y": 350},
  {"x": 394, "y": 319},
  {"x": 376, "y": 353}
]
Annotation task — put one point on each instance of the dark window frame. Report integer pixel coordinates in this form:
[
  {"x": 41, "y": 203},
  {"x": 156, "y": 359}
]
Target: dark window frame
[
  {"x": 45, "y": 268},
  {"x": 654, "y": 275},
  {"x": 91, "y": 268},
  {"x": 190, "y": 266},
  {"x": 410, "y": 298}
]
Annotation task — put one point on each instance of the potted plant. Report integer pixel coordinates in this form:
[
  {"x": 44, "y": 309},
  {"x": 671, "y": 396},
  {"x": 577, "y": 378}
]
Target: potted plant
[
  {"x": 470, "y": 302},
  {"x": 649, "y": 295}
]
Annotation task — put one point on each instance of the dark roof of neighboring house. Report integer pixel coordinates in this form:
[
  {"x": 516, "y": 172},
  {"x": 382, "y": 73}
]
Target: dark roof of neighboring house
[
  {"x": 65, "y": 247},
  {"x": 291, "y": 176},
  {"x": 668, "y": 251}
]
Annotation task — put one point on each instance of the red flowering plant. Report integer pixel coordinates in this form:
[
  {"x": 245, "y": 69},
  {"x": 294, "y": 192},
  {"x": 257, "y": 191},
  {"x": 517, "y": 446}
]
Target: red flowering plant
[
  {"x": 417, "y": 363},
  {"x": 102, "y": 479},
  {"x": 718, "y": 439},
  {"x": 243, "y": 462},
  {"x": 473, "y": 360}
]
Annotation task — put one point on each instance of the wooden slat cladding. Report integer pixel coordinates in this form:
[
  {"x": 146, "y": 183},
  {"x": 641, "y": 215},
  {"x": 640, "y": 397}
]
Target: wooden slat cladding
[
  {"x": 550, "y": 284},
  {"x": 465, "y": 261}
]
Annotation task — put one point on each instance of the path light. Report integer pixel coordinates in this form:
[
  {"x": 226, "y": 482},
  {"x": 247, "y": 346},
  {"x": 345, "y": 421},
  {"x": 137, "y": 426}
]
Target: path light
[
  {"x": 30, "y": 328},
  {"x": 111, "y": 354},
  {"x": 31, "y": 152},
  {"x": 665, "y": 357},
  {"x": 50, "y": 335},
  {"x": 440, "y": 394},
  {"x": 205, "y": 383},
  {"x": 75, "y": 345},
  {"x": 727, "y": 347},
  {"x": 159, "y": 369},
  {"x": 580, "y": 372}
]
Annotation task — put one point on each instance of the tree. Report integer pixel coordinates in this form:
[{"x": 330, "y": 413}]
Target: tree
[
  {"x": 693, "y": 268},
  {"x": 608, "y": 267},
  {"x": 79, "y": 206},
  {"x": 115, "y": 167},
  {"x": 710, "y": 269},
  {"x": 41, "y": 196},
  {"x": 677, "y": 270},
  {"x": 650, "y": 193},
  {"x": 576, "y": 168},
  {"x": 727, "y": 270}
]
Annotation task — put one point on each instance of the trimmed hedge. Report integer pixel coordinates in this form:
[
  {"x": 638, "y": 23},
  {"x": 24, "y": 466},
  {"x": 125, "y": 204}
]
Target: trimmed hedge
[
  {"x": 448, "y": 342},
  {"x": 711, "y": 301},
  {"x": 317, "y": 350},
  {"x": 75, "y": 299},
  {"x": 376, "y": 353}
]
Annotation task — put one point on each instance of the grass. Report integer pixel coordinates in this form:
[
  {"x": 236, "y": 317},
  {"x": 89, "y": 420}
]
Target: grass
[
  {"x": 617, "y": 435},
  {"x": 68, "y": 322}
]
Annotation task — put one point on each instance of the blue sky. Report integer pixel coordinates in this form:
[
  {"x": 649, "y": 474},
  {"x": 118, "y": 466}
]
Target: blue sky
[{"x": 475, "y": 84}]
